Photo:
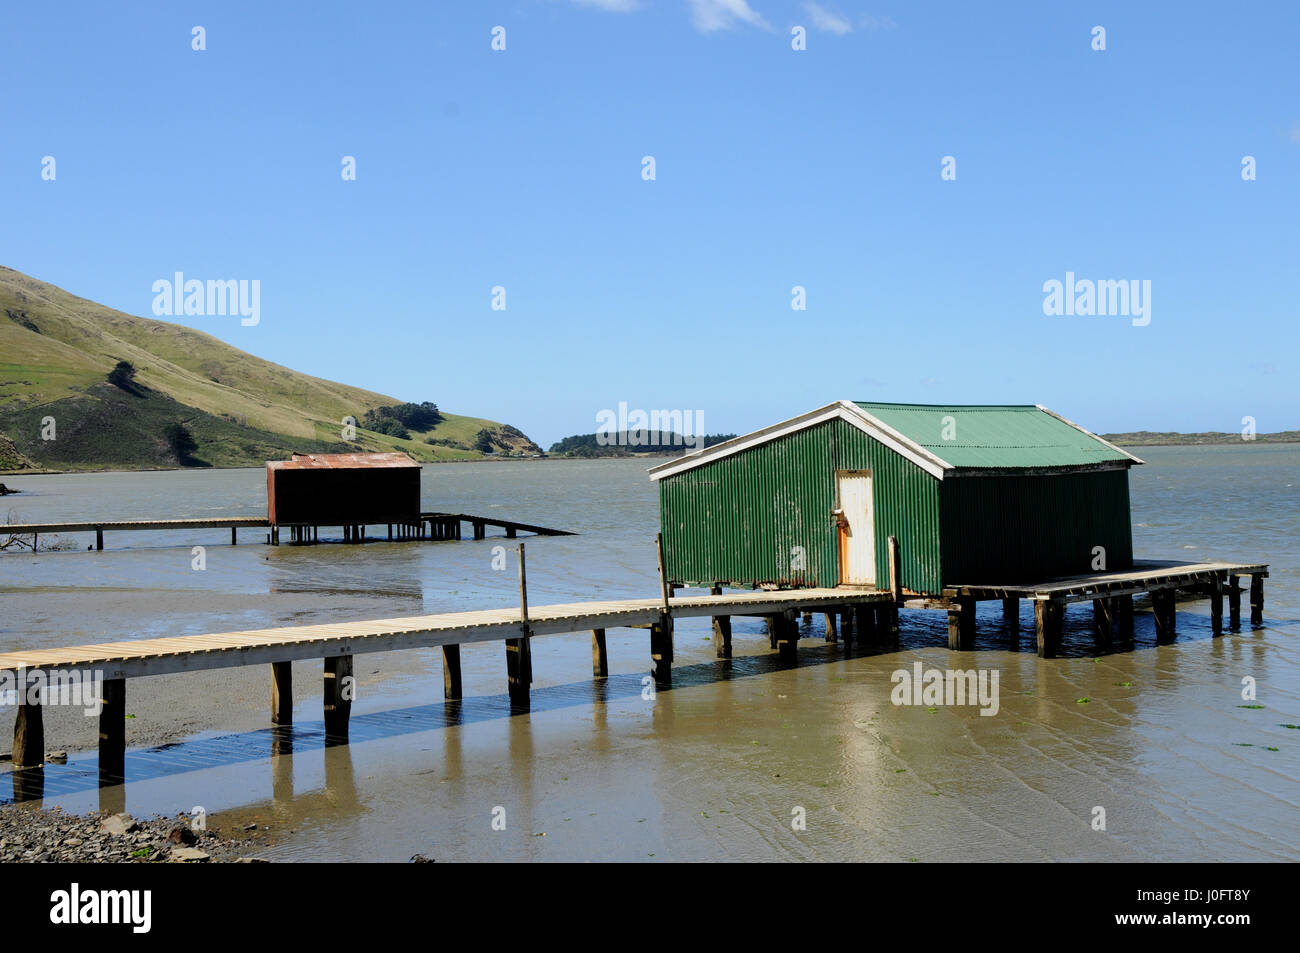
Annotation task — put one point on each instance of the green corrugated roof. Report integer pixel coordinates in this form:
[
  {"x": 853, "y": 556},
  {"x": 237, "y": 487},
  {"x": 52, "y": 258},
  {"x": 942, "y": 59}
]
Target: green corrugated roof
[{"x": 994, "y": 436}]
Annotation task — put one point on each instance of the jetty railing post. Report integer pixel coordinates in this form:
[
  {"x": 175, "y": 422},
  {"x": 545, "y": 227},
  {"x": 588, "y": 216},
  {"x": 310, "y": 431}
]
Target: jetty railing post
[
  {"x": 338, "y": 698},
  {"x": 599, "y": 657},
  {"x": 1257, "y": 598},
  {"x": 721, "y": 630},
  {"x": 519, "y": 662},
  {"x": 282, "y": 693},
  {"x": 661, "y": 632},
  {"x": 112, "y": 733},
  {"x": 1234, "y": 602},
  {"x": 451, "y": 686}
]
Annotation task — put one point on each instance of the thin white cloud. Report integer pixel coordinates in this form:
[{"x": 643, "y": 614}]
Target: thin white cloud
[
  {"x": 828, "y": 21},
  {"x": 611, "y": 6},
  {"x": 711, "y": 15}
]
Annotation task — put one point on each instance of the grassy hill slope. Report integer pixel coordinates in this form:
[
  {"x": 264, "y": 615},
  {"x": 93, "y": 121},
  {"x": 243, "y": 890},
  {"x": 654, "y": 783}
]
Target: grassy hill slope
[{"x": 56, "y": 350}]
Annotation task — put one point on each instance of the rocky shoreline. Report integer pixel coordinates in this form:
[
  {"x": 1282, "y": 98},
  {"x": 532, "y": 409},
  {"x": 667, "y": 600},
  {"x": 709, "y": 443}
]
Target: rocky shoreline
[{"x": 53, "y": 836}]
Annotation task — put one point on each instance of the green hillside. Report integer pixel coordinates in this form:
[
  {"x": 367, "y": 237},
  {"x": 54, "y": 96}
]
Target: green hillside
[{"x": 56, "y": 351}]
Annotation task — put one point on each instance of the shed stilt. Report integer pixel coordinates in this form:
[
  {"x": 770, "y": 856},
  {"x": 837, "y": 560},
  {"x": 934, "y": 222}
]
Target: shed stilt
[
  {"x": 1162, "y": 606},
  {"x": 1234, "y": 602},
  {"x": 1048, "y": 622},
  {"x": 865, "y": 624},
  {"x": 661, "y": 651},
  {"x": 830, "y": 626},
  {"x": 1216, "y": 605},
  {"x": 1103, "y": 622},
  {"x": 787, "y": 636},
  {"x": 961, "y": 625},
  {"x": 1256, "y": 598}
]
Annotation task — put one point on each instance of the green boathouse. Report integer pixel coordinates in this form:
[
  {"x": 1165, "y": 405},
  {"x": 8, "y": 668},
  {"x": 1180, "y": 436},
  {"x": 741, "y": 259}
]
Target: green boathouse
[{"x": 974, "y": 495}]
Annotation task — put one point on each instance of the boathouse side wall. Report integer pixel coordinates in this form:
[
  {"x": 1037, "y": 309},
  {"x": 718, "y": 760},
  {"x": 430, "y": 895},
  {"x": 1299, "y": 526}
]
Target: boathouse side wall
[
  {"x": 1012, "y": 527},
  {"x": 737, "y": 520}
]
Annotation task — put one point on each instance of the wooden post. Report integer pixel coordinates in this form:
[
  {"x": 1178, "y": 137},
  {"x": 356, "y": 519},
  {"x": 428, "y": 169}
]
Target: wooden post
[
  {"x": 1125, "y": 618},
  {"x": 830, "y": 626},
  {"x": 787, "y": 636},
  {"x": 1256, "y": 598},
  {"x": 770, "y": 627},
  {"x": 599, "y": 656},
  {"x": 519, "y": 654},
  {"x": 451, "y": 690},
  {"x": 1048, "y": 620},
  {"x": 282, "y": 693},
  {"x": 895, "y": 570},
  {"x": 112, "y": 733},
  {"x": 1216, "y": 604},
  {"x": 847, "y": 625},
  {"x": 865, "y": 623},
  {"x": 961, "y": 624},
  {"x": 661, "y": 651},
  {"x": 99, "y": 538},
  {"x": 1011, "y": 613},
  {"x": 663, "y": 571},
  {"x": 1103, "y": 622},
  {"x": 1234, "y": 602},
  {"x": 338, "y": 697},
  {"x": 29, "y": 732},
  {"x": 1162, "y": 606}
]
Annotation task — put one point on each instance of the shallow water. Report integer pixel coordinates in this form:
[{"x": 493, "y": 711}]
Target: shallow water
[{"x": 723, "y": 765}]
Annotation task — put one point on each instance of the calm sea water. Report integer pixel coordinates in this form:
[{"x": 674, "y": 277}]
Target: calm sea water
[{"x": 723, "y": 765}]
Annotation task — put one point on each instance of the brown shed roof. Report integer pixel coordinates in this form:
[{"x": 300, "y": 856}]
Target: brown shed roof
[{"x": 342, "y": 461}]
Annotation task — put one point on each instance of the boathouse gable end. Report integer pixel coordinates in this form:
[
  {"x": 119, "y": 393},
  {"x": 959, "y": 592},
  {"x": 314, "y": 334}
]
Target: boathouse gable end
[
  {"x": 969, "y": 492},
  {"x": 765, "y": 516}
]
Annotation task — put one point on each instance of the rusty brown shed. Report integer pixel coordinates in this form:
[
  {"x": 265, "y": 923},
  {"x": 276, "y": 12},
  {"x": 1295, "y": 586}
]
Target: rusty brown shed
[{"x": 338, "y": 489}]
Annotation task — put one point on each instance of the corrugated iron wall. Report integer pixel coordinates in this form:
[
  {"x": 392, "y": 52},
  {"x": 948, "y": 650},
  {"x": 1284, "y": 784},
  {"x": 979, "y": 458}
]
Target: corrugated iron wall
[
  {"x": 738, "y": 520},
  {"x": 1010, "y": 528}
]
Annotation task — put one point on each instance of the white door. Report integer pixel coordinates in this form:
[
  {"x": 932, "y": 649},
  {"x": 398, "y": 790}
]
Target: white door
[{"x": 857, "y": 535}]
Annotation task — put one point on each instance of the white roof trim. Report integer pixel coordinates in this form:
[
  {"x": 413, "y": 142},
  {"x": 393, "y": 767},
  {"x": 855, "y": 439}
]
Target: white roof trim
[
  {"x": 841, "y": 409},
  {"x": 1107, "y": 443},
  {"x": 851, "y": 413}
]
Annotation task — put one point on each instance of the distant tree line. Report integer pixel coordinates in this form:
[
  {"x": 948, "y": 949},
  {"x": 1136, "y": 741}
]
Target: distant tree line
[
  {"x": 397, "y": 420},
  {"x": 628, "y": 442}
]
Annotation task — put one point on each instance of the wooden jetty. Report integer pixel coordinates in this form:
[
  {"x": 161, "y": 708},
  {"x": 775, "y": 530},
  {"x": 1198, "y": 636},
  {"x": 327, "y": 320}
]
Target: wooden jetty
[
  {"x": 337, "y": 643},
  {"x": 868, "y": 614},
  {"x": 428, "y": 526},
  {"x": 1111, "y": 595}
]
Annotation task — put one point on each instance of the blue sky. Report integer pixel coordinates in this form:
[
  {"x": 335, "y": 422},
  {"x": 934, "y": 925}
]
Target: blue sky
[{"x": 774, "y": 168}]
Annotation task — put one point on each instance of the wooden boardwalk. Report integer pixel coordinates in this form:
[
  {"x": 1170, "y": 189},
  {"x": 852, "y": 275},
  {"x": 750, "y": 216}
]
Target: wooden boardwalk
[
  {"x": 1111, "y": 595},
  {"x": 431, "y": 526},
  {"x": 338, "y": 642},
  {"x": 867, "y": 614}
]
